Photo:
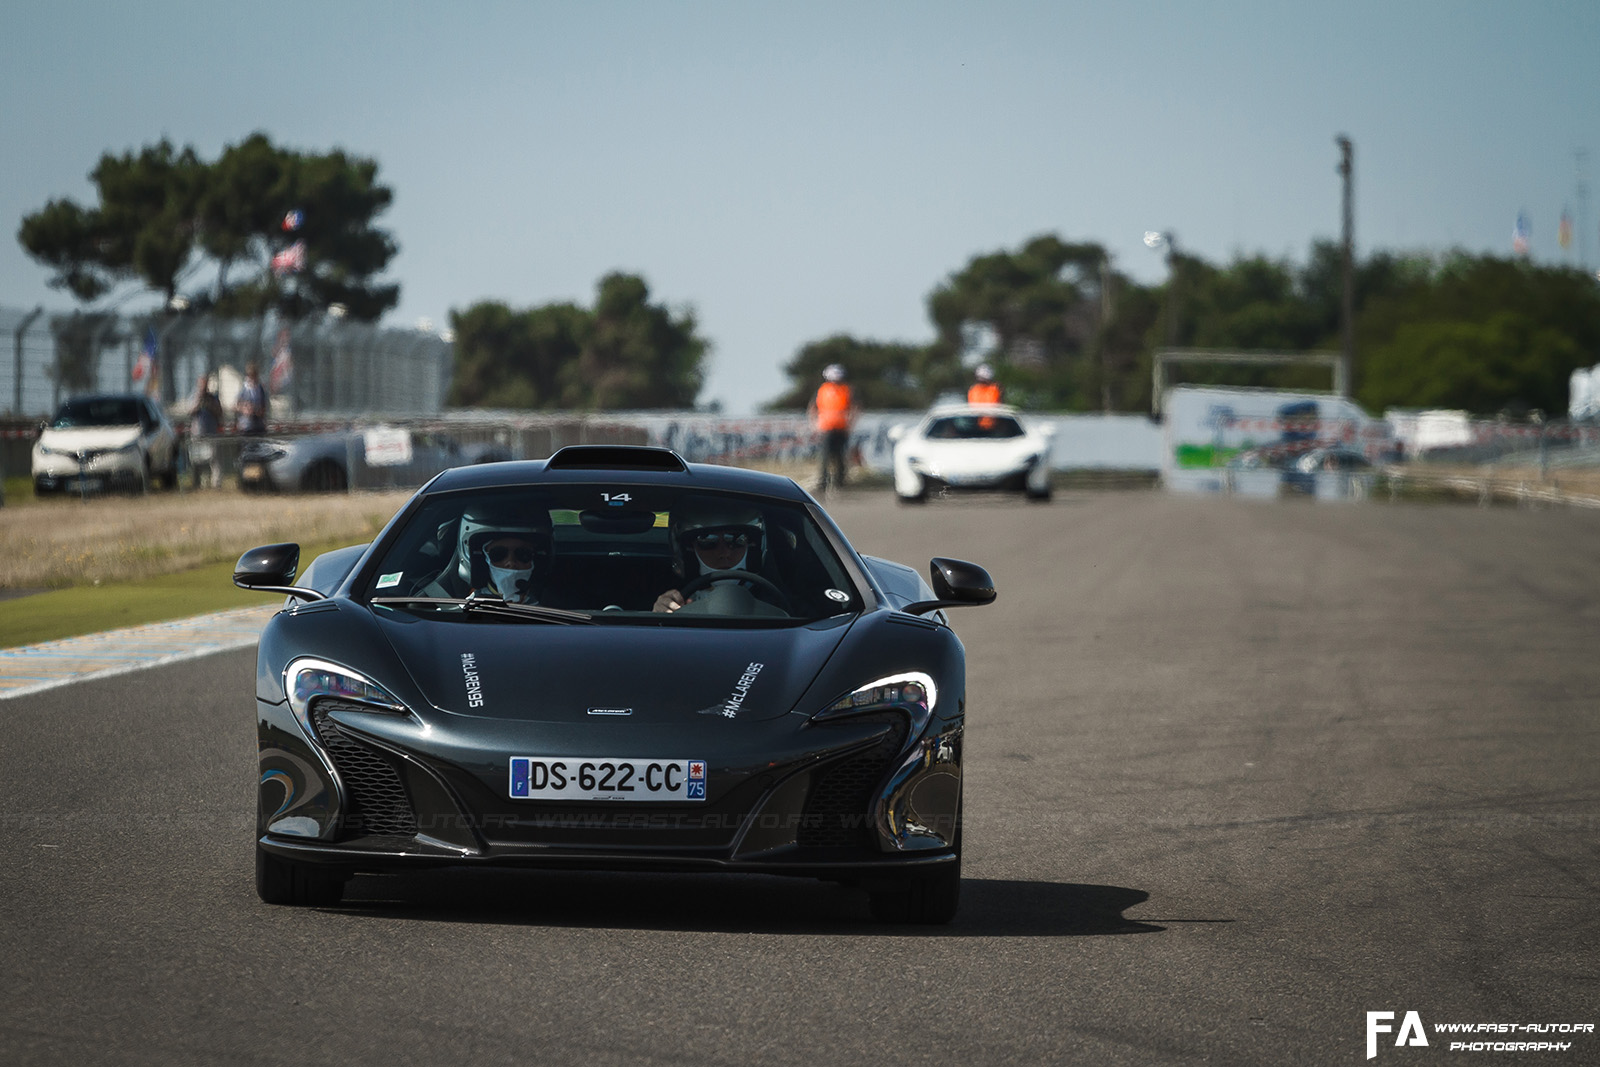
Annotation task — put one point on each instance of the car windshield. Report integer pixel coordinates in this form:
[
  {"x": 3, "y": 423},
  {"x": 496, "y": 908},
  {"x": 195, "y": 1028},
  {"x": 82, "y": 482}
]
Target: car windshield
[
  {"x": 972, "y": 427},
  {"x": 615, "y": 553},
  {"x": 97, "y": 411}
]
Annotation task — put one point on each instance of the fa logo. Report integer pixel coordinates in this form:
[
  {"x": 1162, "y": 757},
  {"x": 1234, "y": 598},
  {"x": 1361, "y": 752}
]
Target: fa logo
[{"x": 1411, "y": 1025}]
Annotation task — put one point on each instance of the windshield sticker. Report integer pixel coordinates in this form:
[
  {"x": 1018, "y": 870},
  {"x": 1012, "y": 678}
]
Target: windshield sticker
[
  {"x": 729, "y": 709},
  {"x": 469, "y": 668},
  {"x": 838, "y": 596},
  {"x": 388, "y": 580}
]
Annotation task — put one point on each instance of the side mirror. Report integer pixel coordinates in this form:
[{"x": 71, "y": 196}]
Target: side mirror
[
  {"x": 271, "y": 569},
  {"x": 897, "y": 431},
  {"x": 956, "y": 583}
]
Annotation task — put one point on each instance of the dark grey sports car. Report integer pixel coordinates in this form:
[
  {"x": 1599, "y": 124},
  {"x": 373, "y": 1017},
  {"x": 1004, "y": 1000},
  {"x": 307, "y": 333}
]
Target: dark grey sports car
[{"x": 612, "y": 659}]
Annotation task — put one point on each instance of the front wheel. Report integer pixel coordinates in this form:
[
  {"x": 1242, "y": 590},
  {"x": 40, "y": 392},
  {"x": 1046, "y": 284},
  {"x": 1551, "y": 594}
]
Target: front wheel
[
  {"x": 926, "y": 898},
  {"x": 280, "y": 881}
]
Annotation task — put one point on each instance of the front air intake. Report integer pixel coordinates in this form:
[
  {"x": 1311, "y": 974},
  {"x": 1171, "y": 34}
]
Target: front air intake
[
  {"x": 376, "y": 799},
  {"x": 615, "y": 458}
]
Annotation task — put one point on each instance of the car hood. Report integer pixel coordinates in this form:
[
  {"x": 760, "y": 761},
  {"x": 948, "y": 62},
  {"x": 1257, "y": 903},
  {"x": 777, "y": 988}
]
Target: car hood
[
  {"x": 89, "y": 438},
  {"x": 649, "y": 674}
]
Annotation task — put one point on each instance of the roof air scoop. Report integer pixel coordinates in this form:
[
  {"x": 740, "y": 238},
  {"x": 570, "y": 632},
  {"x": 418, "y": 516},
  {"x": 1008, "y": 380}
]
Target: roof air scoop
[{"x": 615, "y": 458}]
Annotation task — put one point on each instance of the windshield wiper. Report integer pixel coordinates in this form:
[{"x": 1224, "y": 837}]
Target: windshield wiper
[{"x": 491, "y": 606}]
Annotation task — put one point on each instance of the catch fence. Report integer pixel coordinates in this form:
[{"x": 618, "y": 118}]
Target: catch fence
[{"x": 328, "y": 366}]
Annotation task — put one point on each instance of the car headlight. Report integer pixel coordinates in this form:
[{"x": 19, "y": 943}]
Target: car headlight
[
  {"x": 912, "y": 691},
  {"x": 306, "y": 679}
]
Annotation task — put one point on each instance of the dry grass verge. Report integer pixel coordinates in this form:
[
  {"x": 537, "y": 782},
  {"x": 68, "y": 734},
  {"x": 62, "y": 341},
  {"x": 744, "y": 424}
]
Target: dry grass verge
[{"x": 60, "y": 543}]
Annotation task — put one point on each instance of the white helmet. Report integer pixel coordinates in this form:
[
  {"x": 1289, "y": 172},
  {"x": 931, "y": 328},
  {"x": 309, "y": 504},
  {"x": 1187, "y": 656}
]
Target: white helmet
[
  {"x": 694, "y": 516},
  {"x": 483, "y": 522},
  {"x": 985, "y": 372},
  {"x": 834, "y": 372}
]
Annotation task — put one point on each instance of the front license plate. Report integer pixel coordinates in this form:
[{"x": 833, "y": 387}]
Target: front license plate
[
  {"x": 606, "y": 778},
  {"x": 250, "y": 472}
]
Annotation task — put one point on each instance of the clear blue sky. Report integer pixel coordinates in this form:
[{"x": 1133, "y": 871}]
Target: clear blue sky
[{"x": 797, "y": 170}]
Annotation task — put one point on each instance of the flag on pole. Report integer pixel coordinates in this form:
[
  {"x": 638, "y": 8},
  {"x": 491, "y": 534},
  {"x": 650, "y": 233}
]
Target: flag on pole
[
  {"x": 1564, "y": 233},
  {"x": 293, "y": 221},
  {"x": 144, "y": 368},
  {"x": 291, "y": 260},
  {"x": 282, "y": 362},
  {"x": 1520, "y": 235}
]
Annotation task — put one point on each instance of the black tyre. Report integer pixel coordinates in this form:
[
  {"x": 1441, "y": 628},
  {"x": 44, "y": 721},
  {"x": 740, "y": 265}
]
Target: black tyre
[
  {"x": 1040, "y": 497},
  {"x": 279, "y": 881},
  {"x": 324, "y": 478},
  {"x": 927, "y": 898}
]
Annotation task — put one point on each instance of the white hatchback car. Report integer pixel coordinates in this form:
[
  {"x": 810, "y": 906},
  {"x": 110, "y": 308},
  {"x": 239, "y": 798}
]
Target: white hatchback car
[
  {"x": 971, "y": 446},
  {"x": 116, "y": 441}
]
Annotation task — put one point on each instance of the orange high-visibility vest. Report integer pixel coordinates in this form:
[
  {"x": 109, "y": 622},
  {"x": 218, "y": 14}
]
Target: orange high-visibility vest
[
  {"x": 833, "y": 406},
  {"x": 984, "y": 393}
]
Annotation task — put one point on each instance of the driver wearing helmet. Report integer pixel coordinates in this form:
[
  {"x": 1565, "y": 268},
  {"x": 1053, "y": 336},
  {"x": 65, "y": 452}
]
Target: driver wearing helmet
[
  {"x": 709, "y": 536},
  {"x": 499, "y": 548}
]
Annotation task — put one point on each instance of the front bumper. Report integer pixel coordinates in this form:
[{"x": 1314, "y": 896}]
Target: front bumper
[
  {"x": 54, "y": 472},
  {"x": 924, "y": 478},
  {"x": 370, "y": 792}
]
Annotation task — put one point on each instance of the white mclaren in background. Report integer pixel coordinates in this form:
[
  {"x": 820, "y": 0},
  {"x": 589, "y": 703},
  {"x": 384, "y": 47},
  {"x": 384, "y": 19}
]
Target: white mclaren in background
[{"x": 971, "y": 447}]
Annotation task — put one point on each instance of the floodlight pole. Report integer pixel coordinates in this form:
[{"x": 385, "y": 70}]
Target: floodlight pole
[{"x": 1347, "y": 302}]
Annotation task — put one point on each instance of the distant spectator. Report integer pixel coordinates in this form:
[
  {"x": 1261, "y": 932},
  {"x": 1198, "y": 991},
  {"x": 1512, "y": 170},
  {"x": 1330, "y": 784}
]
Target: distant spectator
[
  {"x": 205, "y": 422},
  {"x": 984, "y": 390},
  {"x": 250, "y": 407},
  {"x": 833, "y": 412}
]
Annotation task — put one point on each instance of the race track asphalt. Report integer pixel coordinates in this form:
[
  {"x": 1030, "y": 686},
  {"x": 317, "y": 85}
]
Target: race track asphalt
[{"x": 1238, "y": 773}]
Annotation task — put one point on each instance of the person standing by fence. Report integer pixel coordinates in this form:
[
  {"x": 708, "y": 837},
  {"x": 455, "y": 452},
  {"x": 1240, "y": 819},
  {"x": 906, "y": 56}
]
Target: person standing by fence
[
  {"x": 205, "y": 422},
  {"x": 250, "y": 407},
  {"x": 833, "y": 412}
]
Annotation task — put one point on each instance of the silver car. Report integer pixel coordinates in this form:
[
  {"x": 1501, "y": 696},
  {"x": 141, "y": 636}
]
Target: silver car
[{"x": 376, "y": 457}]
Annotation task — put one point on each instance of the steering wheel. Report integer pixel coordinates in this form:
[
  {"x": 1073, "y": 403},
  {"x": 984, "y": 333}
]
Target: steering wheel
[{"x": 700, "y": 581}]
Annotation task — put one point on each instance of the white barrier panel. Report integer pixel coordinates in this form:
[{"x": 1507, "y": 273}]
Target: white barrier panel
[{"x": 1082, "y": 442}]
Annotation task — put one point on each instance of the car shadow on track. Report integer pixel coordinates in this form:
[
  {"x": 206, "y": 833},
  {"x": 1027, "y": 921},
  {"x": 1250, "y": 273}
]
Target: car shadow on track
[{"x": 712, "y": 903}]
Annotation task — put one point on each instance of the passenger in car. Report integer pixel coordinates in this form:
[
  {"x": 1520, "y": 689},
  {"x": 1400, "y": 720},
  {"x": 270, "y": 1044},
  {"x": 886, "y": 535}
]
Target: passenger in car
[{"x": 499, "y": 553}]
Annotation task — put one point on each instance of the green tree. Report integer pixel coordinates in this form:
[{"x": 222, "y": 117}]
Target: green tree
[
  {"x": 882, "y": 374},
  {"x": 1037, "y": 314},
  {"x": 624, "y": 354},
  {"x": 1480, "y": 333},
  {"x": 163, "y": 213},
  {"x": 142, "y": 231}
]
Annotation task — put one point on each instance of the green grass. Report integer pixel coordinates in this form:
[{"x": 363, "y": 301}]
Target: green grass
[
  {"x": 90, "y": 609},
  {"x": 19, "y": 489}
]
